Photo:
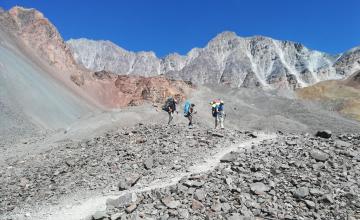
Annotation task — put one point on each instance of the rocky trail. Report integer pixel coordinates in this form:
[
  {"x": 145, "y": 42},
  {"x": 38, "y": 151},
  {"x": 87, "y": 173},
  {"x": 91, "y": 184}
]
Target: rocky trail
[
  {"x": 171, "y": 172},
  {"x": 289, "y": 177},
  {"x": 108, "y": 164}
]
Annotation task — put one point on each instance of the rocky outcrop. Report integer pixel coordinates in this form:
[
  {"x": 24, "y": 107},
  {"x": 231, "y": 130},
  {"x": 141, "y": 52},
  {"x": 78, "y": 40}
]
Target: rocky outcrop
[
  {"x": 41, "y": 41},
  {"x": 354, "y": 80},
  {"x": 104, "y": 55},
  {"x": 227, "y": 59},
  {"x": 348, "y": 62},
  {"x": 42, "y": 36},
  {"x": 123, "y": 90}
]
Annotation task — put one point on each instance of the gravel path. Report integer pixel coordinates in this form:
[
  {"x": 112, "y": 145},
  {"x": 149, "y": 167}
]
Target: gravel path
[
  {"x": 114, "y": 161},
  {"x": 291, "y": 177}
]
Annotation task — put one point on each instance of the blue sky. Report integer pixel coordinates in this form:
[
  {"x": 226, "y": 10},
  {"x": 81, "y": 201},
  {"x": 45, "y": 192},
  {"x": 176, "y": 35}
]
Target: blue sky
[{"x": 166, "y": 26}]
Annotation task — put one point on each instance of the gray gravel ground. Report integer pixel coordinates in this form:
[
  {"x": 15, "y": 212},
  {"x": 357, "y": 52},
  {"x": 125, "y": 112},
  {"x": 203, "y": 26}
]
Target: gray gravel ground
[
  {"x": 114, "y": 161},
  {"x": 291, "y": 177}
]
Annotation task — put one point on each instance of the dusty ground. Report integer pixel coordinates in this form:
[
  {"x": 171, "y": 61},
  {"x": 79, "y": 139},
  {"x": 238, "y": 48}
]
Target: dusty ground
[
  {"x": 70, "y": 170},
  {"x": 116, "y": 160}
]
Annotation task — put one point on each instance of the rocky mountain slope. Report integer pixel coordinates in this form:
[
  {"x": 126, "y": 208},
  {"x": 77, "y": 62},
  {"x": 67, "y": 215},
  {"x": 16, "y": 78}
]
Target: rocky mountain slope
[
  {"x": 31, "y": 93},
  {"x": 338, "y": 95},
  {"x": 41, "y": 80},
  {"x": 227, "y": 59}
]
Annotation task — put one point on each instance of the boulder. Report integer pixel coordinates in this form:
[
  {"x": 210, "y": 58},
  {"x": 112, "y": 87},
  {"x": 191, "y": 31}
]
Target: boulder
[
  {"x": 301, "y": 192},
  {"x": 259, "y": 188},
  {"x": 149, "y": 163},
  {"x": 229, "y": 157},
  {"x": 324, "y": 134},
  {"x": 319, "y": 155},
  {"x": 170, "y": 202},
  {"x": 99, "y": 215}
]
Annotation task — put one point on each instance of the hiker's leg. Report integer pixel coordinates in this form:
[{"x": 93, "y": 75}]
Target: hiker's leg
[
  {"x": 216, "y": 121},
  {"x": 190, "y": 120},
  {"x": 222, "y": 121},
  {"x": 170, "y": 117}
]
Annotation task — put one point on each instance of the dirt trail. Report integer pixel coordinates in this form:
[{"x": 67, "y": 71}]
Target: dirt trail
[{"x": 75, "y": 209}]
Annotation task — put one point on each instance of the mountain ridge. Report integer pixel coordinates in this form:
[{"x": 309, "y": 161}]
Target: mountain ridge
[{"x": 226, "y": 59}]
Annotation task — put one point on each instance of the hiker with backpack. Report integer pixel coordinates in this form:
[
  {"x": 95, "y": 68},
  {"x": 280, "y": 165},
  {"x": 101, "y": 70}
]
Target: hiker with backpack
[
  {"x": 189, "y": 110},
  {"x": 217, "y": 109},
  {"x": 170, "y": 108},
  {"x": 220, "y": 115}
]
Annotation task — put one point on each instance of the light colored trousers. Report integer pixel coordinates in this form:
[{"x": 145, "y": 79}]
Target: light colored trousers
[
  {"x": 171, "y": 116},
  {"x": 219, "y": 119}
]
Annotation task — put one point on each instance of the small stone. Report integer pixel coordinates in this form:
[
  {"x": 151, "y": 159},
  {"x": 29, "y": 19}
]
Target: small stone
[
  {"x": 99, "y": 215},
  {"x": 327, "y": 198},
  {"x": 199, "y": 195},
  {"x": 310, "y": 204},
  {"x": 133, "y": 179},
  {"x": 252, "y": 135},
  {"x": 290, "y": 143},
  {"x": 149, "y": 163},
  {"x": 319, "y": 155},
  {"x": 229, "y": 157},
  {"x": 184, "y": 214},
  {"x": 323, "y": 134},
  {"x": 170, "y": 202},
  {"x": 115, "y": 216},
  {"x": 216, "y": 206},
  {"x": 122, "y": 201},
  {"x": 217, "y": 135},
  {"x": 196, "y": 205},
  {"x": 316, "y": 192},
  {"x": 193, "y": 183},
  {"x": 237, "y": 216},
  {"x": 301, "y": 192},
  {"x": 225, "y": 207},
  {"x": 131, "y": 208},
  {"x": 123, "y": 185},
  {"x": 342, "y": 144},
  {"x": 259, "y": 188},
  {"x": 177, "y": 167}
]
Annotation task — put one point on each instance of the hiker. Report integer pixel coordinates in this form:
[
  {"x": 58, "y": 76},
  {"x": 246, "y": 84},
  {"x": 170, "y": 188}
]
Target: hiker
[
  {"x": 220, "y": 115},
  {"x": 189, "y": 110},
  {"x": 214, "y": 111},
  {"x": 217, "y": 109},
  {"x": 170, "y": 108}
]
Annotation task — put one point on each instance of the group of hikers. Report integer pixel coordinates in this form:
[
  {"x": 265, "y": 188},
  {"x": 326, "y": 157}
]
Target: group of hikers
[{"x": 217, "y": 111}]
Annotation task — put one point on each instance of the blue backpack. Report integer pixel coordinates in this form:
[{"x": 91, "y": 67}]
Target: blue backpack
[
  {"x": 221, "y": 107},
  {"x": 186, "y": 108}
]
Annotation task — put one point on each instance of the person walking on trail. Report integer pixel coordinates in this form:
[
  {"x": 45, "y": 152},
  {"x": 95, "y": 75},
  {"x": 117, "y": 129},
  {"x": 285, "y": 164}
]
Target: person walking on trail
[
  {"x": 189, "y": 110},
  {"x": 170, "y": 108},
  {"x": 214, "y": 111},
  {"x": 220, "y": 115},
  {"x": 217, "y": 109}
]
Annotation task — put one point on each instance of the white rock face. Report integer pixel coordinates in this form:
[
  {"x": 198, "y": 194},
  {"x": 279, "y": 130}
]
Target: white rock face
[
  {"x": 227, "y": 59},
  {"x": 104, "y": 55}
]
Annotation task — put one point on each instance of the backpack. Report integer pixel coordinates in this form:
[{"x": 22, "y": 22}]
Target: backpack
[
  {"x": 186, "y": 108},
  {"x": 221, "y": 107},
  {"x": 213, "y": 110},
  {"x": 169, "y": 102}
]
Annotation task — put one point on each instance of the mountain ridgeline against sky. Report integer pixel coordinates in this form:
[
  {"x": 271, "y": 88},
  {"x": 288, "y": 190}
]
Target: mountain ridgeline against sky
[
  {"x": 227, "y": 59},
  {"x": 40, "y": 82}
]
